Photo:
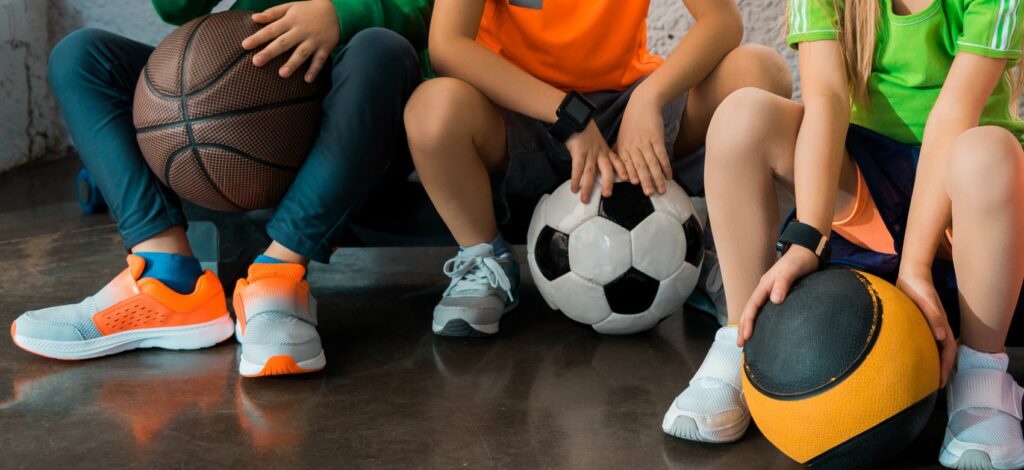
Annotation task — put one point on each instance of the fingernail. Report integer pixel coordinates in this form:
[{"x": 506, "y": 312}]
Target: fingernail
[
  {"x": 776, "y": 297},
  {"x": 940, "y": 334}
]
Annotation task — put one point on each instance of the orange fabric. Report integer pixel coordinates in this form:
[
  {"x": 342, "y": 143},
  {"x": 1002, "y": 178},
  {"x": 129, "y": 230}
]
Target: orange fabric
[
  {"x": 864, "y": 226},
  {"x": 270, "y": 279},
  {"x": 157, "y": 306},
  {"x": 581, "y": 45}
]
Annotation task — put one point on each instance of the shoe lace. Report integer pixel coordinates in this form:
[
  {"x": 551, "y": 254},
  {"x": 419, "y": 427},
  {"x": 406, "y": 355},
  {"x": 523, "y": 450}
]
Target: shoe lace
[{"x": 473, "y": 272}]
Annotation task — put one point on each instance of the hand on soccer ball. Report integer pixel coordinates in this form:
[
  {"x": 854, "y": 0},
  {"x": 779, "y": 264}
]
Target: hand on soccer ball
[
  {"x": 641, "y": 145},
  {"x": 590, "y": 153},
  {"x": 311, "y": 27}
]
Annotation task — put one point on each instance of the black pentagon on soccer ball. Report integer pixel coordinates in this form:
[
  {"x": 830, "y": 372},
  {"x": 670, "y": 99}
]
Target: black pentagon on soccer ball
[
  {"x": 552, "y": 253},
  {"x": 627, "y": 207},
  {"x": 694, "y": 241},
  {"x": 632, "y": 293}
]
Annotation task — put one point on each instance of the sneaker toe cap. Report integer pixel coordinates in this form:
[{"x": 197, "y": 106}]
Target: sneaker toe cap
[{"x": 33, "y": 325}]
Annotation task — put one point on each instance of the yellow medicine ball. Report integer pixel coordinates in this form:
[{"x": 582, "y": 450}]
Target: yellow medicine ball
[{"x": 842, "y": 374}]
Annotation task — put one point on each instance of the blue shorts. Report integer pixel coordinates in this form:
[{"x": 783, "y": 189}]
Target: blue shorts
[{"x": 889, "y": 168}]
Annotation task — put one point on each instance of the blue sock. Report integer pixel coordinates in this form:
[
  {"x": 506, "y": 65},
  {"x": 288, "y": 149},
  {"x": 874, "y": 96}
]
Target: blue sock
[
  {"x": 499, "y": 245},
  {"x": 264, "y": 259},
  {"x": 178, "y": 272}
]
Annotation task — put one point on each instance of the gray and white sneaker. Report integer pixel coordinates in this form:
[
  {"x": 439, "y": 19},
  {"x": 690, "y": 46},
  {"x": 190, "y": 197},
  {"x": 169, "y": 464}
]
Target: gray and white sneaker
[{"x": 483, "y": 288}]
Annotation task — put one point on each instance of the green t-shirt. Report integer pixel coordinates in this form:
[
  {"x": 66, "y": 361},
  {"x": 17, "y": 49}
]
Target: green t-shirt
[{"x": 914, "y": 53}]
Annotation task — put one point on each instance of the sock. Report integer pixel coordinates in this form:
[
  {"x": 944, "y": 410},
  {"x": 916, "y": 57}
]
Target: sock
[
  {"x": 264, "y": 259},
  {"x": 178, "y": 272},
  {"x": 711, "y": 395},
  {"x": 983, "y": 426},
  {"x": 499, "y": 245}
]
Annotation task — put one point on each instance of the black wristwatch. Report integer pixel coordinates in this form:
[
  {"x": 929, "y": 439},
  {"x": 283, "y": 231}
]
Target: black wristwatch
[
  {"x": 574, "y": 115},
  {"x": 801, "y": 234}
]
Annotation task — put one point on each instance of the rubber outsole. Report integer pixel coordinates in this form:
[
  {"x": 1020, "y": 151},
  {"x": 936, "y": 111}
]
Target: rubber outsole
[
  {"x": 197, "y": 336},
  {"x": 957, "y": 454},
  {"x": 459, "y": 328},
  {"x": 282, "y": 364},
  {"x": 679, "y": 425}
]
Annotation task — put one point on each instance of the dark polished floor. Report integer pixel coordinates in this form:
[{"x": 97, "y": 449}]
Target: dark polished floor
[{"x": 546, "y": 393}]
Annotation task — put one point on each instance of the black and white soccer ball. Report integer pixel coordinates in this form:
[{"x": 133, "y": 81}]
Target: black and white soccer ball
[{"x": 620, "y": 264}]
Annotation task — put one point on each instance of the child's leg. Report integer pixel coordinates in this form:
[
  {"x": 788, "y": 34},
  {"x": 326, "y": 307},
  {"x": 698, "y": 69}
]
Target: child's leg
[
  {"x": 361, "y": 136},
  {"x": 985, "y": 184},
  {"x": 750, "y": 147},
  {"x": 747, "y": 66},
  {"x": 457, "y": 139}
]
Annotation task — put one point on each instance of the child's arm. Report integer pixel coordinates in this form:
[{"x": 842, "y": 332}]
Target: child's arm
[
  {"x": 455, "y": 53},
  {"x": 179, "y": 12},
  {"x": 817, "y": 162},
  {"x": 717, "y": 30},
  {"x": 967, "y": 89}
]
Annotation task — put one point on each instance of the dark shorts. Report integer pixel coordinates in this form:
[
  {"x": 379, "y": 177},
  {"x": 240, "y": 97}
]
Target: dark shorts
[
  {"x": 537, "y": 163},
  {"x": 889, "y": 168}
]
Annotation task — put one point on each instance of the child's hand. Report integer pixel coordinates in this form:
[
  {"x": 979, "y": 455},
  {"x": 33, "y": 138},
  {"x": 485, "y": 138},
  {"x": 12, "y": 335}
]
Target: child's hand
[
  {"x": 775, "y": 284},
  {"x": 917, "y": 284},
  {"x": 590, "y": 153},
  {"x": 641, "y": 144},
  {"x": 310, "y": 26}
]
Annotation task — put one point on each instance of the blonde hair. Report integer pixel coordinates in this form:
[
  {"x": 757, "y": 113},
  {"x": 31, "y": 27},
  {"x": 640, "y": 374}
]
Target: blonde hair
[{"x": 858, "y": 32}]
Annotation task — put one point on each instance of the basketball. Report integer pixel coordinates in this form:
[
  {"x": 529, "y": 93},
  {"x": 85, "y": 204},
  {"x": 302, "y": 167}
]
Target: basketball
[
  {"x": 219, "y": 131},
  {"x": 844, "y": 373}
]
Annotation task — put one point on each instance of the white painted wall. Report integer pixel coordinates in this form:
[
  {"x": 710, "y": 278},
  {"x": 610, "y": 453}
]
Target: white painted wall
[{"x": 31, "y": 127}]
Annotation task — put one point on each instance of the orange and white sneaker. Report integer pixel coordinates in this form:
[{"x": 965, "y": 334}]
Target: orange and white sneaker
[
  {"x": 276, "y": 322},
  {"x": 128, "y": 313}
]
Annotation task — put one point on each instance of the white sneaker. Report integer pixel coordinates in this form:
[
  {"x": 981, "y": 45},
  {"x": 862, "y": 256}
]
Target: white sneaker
[{"x": 712, "y": 409}]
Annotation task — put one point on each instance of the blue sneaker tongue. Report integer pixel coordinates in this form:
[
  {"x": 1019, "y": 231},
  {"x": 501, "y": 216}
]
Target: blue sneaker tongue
[{"x": 483, "y": 250}]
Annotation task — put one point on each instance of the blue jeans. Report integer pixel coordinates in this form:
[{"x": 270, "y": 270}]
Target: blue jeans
[{"x": 93, "y": 74}]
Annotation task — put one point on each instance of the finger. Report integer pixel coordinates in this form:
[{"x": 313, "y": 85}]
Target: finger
[
  {"x": 663, "y": 159},
  {"x": 627, "y": 161},
  {"x": 781, "y": 288},
  {"x": 655, "y": 168},
  {"x": 299, "y": 57},
  {"x": 271, "y": 14},
  {"x": 578, "y": 162},
  {"x": 317, "y": 64},
  {"x": 589, "y": 177},
  {"x": 756, "y": 301},
  {"x": 265, "y": 35},
  {"x": 643, "y": 173},
  {"x": 947, "y": 357},
  {"x": 280, "y": 45},
  {"x": 607, "y": 175},
  {"x": 618, "y": 166}
]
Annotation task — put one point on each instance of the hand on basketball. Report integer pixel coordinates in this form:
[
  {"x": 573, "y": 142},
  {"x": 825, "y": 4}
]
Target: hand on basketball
[
  {"x": 310, "y": 27},
  {"x": 590, "y": 153},
  {"x": 775, "y": 284},
  {"x": 641, "y": 144},
  {"x": 917, "y": 284}
]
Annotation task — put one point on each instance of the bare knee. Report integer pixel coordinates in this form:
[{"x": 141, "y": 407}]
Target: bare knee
[
  {"x": 436, "y": 113},
  {"x": 741, "y": 127},
  {"x": 758, "y": 66},
  {"x": 985, "y": 165}
]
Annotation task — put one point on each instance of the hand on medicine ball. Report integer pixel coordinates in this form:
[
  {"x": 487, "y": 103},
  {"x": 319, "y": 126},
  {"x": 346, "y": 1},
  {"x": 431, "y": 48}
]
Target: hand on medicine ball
[
  {"x": 920, "y": 288},
  {"x": 775, "y": 284},
  {"x": 310, "y": 27}
]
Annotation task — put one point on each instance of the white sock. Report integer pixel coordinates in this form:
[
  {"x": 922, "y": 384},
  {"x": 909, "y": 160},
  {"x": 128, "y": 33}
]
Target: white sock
[
  {"x": 708, "y": 394},
  {"x": 985, "y": 426}
]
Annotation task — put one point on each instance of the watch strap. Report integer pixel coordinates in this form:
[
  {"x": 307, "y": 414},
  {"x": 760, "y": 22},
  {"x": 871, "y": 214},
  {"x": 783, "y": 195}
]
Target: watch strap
[
  {"x": 801, "y": 234},
  {"x": 562, "y": 129}
]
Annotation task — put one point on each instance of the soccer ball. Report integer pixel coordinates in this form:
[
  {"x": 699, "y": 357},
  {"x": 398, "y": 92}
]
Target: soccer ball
[{"x": 620, "y": 264}]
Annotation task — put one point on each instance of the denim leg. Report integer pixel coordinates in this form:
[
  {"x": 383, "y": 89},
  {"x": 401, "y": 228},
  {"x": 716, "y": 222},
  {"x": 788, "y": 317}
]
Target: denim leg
[
  {"x": 361, "y": 134},
  {"x": 93, "y": 75}
]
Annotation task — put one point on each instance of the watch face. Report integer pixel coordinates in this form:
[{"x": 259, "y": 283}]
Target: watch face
[{"x": 577, "y": 110}]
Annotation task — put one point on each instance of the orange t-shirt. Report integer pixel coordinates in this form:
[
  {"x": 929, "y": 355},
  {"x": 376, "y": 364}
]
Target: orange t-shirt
[{"x": 581, "y": 45}]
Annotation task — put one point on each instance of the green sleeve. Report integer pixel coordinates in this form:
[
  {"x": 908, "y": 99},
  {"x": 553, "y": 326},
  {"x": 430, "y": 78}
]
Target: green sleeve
[
  {"x": 812, "y": 20},
  {"x": 179, "y": 12},
  {"x": 410, "y": 18},
  {"x": 991, "y": 29}
]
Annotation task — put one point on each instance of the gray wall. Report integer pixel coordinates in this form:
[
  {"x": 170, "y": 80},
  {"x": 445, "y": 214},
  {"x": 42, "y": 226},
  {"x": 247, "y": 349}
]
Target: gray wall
[{"x": 30, "y": 125}]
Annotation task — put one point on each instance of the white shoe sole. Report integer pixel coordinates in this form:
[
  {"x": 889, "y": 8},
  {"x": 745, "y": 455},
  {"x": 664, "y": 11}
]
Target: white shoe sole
[
  {"x": 686, "y": 425},
  {"x": 971, "y": 456},
  {"x": 198, "y": 336},
  {"x": 457, "y": 327}
]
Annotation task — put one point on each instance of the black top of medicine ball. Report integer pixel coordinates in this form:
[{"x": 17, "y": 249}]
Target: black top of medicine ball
[{"x": 820, "y": 334}]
